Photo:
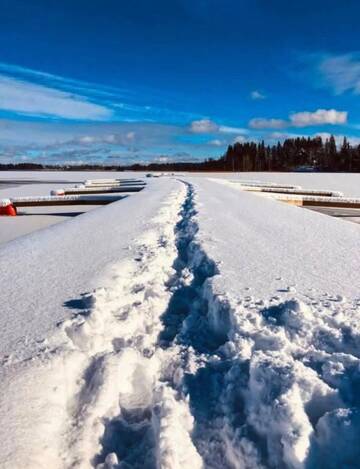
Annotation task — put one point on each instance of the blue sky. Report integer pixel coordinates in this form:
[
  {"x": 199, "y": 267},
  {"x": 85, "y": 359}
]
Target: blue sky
[{"x": 117, "y": 82}]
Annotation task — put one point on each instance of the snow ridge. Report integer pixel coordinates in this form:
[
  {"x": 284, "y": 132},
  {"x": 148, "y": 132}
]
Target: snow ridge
[
  {"x": 124, "y": 414},
  {"x": 197, "y": 328}
]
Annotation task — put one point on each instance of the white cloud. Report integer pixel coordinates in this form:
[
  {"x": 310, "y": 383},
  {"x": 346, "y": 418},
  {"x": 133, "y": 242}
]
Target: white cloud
[
  {"x": 340, "y": 72},
  {"x": 86, "y": 139},
  {"x": 130, "y": 136},
  {"x": 207, "y": 126},
  {"x": 280, "y": 135},
  {"x": 203, "y": 126},
  {"x": 302, "y": 119},
  {"x": 261, "y": 123},
  {"x": 256, "y": 95},
  {"x": 319, "y": 117},
  {"x": 162, "y": 159},
  {"x": 28, "y": 98},
  {"x": 124, "y": 103},
  {"x": 239, "y": 139},
  {"x": 216, "y": 142},
  {"x": 232, "y": 130},
  {"x": 111, "y": 139}
]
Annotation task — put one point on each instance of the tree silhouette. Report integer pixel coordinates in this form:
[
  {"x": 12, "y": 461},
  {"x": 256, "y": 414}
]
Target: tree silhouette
[{"x": 293, "y": 154}]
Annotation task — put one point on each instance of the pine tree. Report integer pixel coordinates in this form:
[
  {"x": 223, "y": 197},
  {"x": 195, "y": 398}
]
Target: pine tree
[{"x": 333, "y": 163}]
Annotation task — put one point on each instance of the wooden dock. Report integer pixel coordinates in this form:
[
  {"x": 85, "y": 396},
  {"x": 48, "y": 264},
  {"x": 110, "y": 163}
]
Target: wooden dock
[
  {"x": 47, "y": 201},
  {"x": 314, "y": 201},
  {"x": 102, "y": 190},
  {"x": 91, "y": 192},
  {"x": 304, "y": 192},
  {"x": 296, "y": 195}
]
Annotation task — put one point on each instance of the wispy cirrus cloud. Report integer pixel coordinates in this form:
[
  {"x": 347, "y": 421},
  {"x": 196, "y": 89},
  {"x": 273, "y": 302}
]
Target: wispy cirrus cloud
[
  {"x": 30, "y": 92},
  {"x": 37, "y": 100},
  {"x": 59, "y": 82},
  {"x": 232, "y": 130},
  {"x": 340, "y": 73},
  {"x": 302, "y": 119}
]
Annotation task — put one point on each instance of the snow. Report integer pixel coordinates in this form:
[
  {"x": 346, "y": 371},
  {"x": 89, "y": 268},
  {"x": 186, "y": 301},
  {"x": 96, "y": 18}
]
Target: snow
[
  {"x": 276, "y": 190},
  {"x": 190, "y": 325},
  {"x": 35, "y": 184},
  {"x": 319, "y": 198},
  {"x": 36, "y": 217},
  {"x": 348, "y": 183},
  {"x": 5, "y": 202},
  {"x": 40, "y": 272}
]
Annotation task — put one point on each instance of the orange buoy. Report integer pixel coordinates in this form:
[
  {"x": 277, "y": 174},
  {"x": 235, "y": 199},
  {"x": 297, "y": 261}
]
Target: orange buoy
[{"x": 7, "y": 208}]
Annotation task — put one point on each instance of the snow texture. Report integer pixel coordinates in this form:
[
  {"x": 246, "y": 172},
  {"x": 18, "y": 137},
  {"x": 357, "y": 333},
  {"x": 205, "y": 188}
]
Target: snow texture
[{"x": 216, "y": 328}]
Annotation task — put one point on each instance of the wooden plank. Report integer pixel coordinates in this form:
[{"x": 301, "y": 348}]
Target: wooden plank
[
  {"x": 314, "y": 201},
  {"x": 109, "y": 186},
  {"x": 332, "y": 203},
  {"x": 48, "y": 201},
  {"x": 336, "y": 202},
  {"x": 100, "y": 190},
  {"x": 260, "y": 184},
  {"x": 277, "y": 190},
  {"x": 117, "y": 182}
]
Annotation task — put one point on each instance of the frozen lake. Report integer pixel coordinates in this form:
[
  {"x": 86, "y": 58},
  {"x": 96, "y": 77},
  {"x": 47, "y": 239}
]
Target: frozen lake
[{"x": 18, "y": 183}]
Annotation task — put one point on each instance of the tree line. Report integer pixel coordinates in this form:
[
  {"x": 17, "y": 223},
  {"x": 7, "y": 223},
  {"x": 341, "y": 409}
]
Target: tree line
[{"x": 293, "y": 154}]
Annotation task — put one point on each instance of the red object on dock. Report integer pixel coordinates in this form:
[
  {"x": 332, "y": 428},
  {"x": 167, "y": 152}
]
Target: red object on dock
[
  {"x": 58, "y": 192},
  {"x": 7, "y": 208}
]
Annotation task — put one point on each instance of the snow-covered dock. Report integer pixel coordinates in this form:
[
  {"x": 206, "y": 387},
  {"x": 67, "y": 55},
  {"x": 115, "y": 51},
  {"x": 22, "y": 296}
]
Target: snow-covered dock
[
  {"x": 297, "y": 191},
  {"x": 112, "y": 182},
  {"x": 38, "y": 210},
  {"x": 315, "y": 200},
  {"x": 83, "y": 195},
  {"x": 296, "y": 196},
  {"x": 46, "y": 201},
  {"x": 95, "y": 189},
  {"x": 262, "y": 184}
]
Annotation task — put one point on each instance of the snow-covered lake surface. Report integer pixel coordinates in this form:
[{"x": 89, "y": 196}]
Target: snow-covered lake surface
[{"x": 191, "y": 325}]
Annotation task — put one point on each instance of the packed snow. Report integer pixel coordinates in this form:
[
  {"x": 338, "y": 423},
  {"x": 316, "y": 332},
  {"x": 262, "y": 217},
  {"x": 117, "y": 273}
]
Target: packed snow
[{"x": 191, "y": 325}]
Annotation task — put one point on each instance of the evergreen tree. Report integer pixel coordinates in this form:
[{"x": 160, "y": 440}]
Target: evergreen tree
[{"x": 333, "y": 163}]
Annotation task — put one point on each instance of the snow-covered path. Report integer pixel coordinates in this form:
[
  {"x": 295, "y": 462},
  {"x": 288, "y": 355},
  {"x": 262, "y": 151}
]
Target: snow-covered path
[{"x": 220, "y": 330}]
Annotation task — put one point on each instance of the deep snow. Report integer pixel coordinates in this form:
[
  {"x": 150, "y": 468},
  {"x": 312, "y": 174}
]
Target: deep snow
[{"x": 193, "y": 325}]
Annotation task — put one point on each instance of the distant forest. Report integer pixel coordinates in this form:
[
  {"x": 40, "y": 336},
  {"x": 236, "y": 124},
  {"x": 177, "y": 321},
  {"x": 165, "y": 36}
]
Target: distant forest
[{"x": 294, "y": 154}]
